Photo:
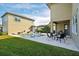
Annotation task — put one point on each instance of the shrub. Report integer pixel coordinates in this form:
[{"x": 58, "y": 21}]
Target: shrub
[
  {"x": 4, "y": 33},
  {"x": 1, "y": 33},
  {"x": 39, "y": 31},
  {"x": 46, "y": 29}
]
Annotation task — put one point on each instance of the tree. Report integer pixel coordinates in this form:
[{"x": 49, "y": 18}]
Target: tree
[{"x": 46, "y": 29}]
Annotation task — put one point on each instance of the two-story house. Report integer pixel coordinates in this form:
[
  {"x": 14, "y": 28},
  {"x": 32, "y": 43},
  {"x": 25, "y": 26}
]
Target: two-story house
[{"x": 16, "y": 24}]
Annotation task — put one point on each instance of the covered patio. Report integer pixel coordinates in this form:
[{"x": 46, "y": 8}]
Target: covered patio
[{"x": 63, "y": 25}]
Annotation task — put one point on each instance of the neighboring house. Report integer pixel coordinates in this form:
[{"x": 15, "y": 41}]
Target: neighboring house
[
  {"x": 65, "y": 15},
  {"x": 61, "y": 16},
  {"x": 16, "y": 24}
]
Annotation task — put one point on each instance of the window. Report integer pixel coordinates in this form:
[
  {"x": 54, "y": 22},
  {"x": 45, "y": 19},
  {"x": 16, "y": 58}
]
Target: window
[
  {"x": 54, "y": 26},
  {"x": 17, "y": 19},
  {"x": 65, "y": 26},
  {"x": 74, "y": 23}
]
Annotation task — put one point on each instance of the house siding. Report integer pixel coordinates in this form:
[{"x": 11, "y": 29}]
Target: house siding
[
  {"x": 75, "y": 37},
  {"x": 61, "y": 11},
  {"x": 11, "y": 26},
  {"x": 61, "y": 14},
  {"x": 15, "y": 27}
]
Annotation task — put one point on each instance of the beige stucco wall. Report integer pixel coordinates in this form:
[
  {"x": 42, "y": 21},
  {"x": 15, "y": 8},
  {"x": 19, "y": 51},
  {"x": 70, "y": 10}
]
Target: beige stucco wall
[
  {"x": 14, "y": 27},
  {"x": 60, "y": 25},
  {"x": 75, "y": 37},
  {"x": 60, "y": 11}
]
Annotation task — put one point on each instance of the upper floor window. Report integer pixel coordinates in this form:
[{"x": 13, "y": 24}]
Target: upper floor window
[{"x": 17, "y": 19}]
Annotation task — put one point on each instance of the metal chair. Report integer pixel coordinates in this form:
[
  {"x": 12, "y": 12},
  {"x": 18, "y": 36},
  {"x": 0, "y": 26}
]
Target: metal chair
[{"x": 61, "y": 36}]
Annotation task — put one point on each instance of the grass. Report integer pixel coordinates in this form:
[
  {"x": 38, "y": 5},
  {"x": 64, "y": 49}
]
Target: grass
[{"x": 14, "y": 46}]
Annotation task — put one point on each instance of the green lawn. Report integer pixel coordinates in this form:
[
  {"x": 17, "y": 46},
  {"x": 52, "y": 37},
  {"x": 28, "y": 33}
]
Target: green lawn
[{"x": 20, "y": 47}]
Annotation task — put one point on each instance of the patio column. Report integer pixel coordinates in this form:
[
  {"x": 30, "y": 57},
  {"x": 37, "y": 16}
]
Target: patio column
[{"x": 51, "y": 20}]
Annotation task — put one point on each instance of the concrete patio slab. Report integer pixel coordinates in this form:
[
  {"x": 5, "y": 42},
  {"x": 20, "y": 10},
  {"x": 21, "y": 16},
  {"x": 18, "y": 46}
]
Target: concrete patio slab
[{"x": 69, "y": 44}]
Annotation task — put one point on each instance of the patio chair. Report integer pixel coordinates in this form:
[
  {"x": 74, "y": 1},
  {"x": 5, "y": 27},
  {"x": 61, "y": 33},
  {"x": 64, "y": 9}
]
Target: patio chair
[
  {"x": 61, "y": 36},
  {"x": 48, "y": 35},
  {"x": 52, "y": 35}
]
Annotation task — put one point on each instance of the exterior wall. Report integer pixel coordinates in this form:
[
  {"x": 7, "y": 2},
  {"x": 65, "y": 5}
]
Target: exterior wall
[
  {"x": 75, "y": 37},
  {"x": 15, "y": 27},
  {"x": 61, "y": 11},
  {"x": 5, "y": 24},
  {"x": 60, "y": 26}
]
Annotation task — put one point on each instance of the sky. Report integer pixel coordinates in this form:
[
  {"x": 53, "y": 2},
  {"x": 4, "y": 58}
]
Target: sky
[{"x": 37, "y": 11}]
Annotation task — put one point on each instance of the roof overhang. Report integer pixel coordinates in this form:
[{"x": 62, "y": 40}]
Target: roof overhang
[
  {"x": 17, "y": 15},
  {"x": 49, "y": 5}
]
